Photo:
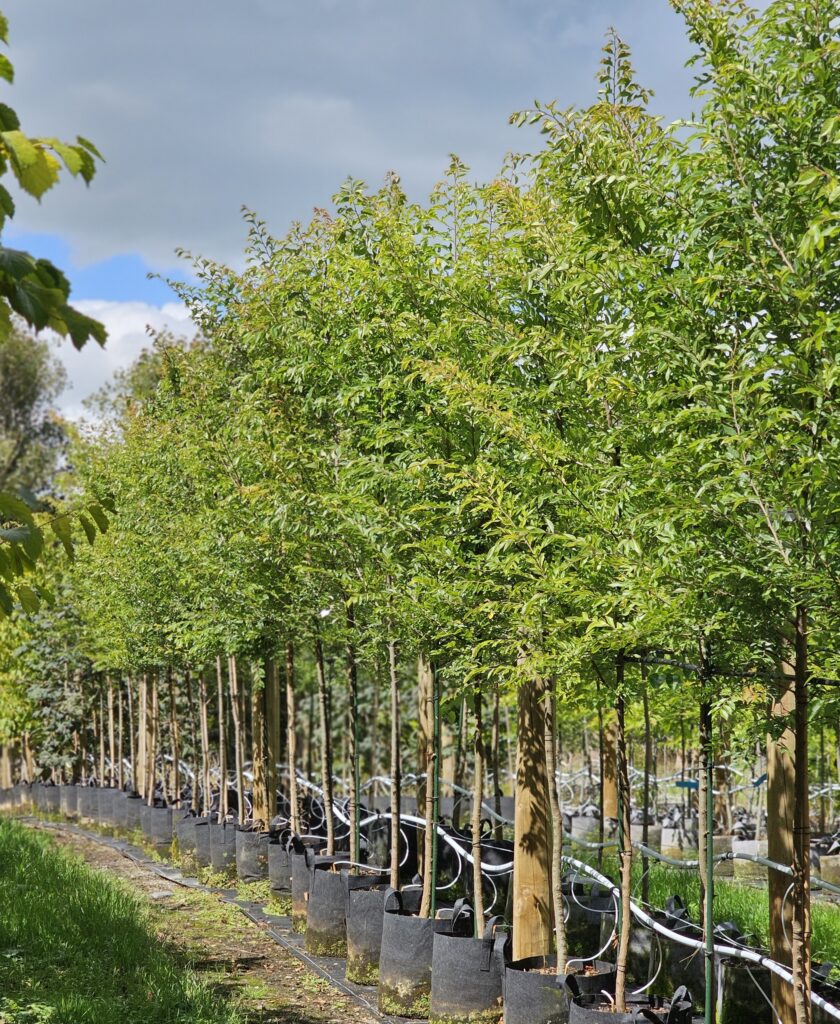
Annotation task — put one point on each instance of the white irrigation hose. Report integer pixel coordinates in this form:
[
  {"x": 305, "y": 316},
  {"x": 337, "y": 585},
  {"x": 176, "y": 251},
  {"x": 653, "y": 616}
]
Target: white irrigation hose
[{"x": 748, "y": 955}]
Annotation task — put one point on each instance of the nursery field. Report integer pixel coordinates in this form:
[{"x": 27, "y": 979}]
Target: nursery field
[{"x": 463, "y": 593}]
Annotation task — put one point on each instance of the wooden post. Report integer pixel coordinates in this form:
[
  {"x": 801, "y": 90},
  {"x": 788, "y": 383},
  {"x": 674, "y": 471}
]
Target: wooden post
[{"x": 532, "y": 840}]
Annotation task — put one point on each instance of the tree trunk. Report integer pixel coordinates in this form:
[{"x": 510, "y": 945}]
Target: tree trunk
[
  {"x": 425, "y": 700},
  {"x": 140, "y": 764},
  {"x": 120, "y": 736},
  {"x": 204, "y": 731},
  {"x": 498, "y": 828},
  {"x": 460, "y": 762},
  {"x": 706, "y": 843},
  {"x": 801, "y": 930},
  {"x": 152, "y": 741},
  {"x": 220, "y": 706},
  {"x": 175, "y": 739},
  {"x": 396, "y": 768},
  {"x": 196, "y": 769},
  {"x": 132, "y": 745},
  {"x": 780, "y": 824},
  {"x": 625, "y": 844},
  {"x": 355, "y": 766},
  {"x": 477, "y": 797},
  {"x": 291, "y": 739},
  {"x": 557, "y": 902},
  {"x": 646, "y": 794},
  {"x": 272, "y": 734},
  {"x": 259, "y": 788},
  {"x": 609, "y": 782},
  {"x": 112, "y": 738},
  {"x": 236, "y": 711},
  {"x": 532, "y": 859},
  {"x": 326, "y": 745}
]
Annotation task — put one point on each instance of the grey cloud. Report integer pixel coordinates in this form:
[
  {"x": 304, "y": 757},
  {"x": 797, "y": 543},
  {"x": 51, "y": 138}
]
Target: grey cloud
[{"x": 202, "y": 105}]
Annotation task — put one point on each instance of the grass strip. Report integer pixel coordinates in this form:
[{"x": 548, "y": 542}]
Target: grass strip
[{"x": 77, "y": 947}]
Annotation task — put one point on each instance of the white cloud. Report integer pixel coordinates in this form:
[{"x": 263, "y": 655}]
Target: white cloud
[{"x": 128, "y": 325}]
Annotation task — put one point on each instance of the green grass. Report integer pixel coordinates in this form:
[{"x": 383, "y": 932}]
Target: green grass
[{"x": 76, "y": 947}]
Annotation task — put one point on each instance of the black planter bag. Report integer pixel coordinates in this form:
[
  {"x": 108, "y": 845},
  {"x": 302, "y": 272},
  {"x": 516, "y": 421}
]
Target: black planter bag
[
  {"x": 105, "y": 806},
  {"x": 118, "y": 809},
  {"x": 201, "y": 831},
  {"x": 303, "y": 864},
  {"x": 87, "y": 803},
  {"x": 50, "y": 798},
  {"x": 538, "y": 998},
  {"x": 251, "y": 854},
  {"x": 133, "y": 810},
  {"x": 467, "y": 975},
  {"x": 279, "y": 866},
  {"x": 161, "y": 828},
  {"x": 589, "y": 1009},
  {"x": 146, "y": 822},
  {"x": 326, "y": 933},
  {"x": 365, "y": 913},
  {"x": 405, "y": 958},
  {"x": 183, "y": 825},
  {"x": 67, "y": 801},
  {"x": 223, "y": 847}
]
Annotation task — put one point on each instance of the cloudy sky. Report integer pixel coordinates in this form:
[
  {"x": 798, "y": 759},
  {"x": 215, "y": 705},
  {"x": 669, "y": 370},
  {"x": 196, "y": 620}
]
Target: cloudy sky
[{"x": 201, "y": 106}]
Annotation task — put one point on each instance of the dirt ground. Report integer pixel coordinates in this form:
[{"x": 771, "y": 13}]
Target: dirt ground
[{"x": 236, "y": 957}]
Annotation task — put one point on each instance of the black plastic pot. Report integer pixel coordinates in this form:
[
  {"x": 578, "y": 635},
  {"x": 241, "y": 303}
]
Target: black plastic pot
[
  {"x": 535, "y": 994},
  {"x": 467, "y": 975},
  {"x": 161, "y": 829},
  {"x": 405, "y": 959},
  {"x": 67, "y": 801},
  {"x": 251, "y": 854},
  {"x": 593, "y": 1009},
  {"x": 223, "y": 847},
  {"x": 279, "y": 866},
  {"x": 133, "y": 812},
  {"x": 364, "y": 916},
  {"x": 201, "y": 831}
]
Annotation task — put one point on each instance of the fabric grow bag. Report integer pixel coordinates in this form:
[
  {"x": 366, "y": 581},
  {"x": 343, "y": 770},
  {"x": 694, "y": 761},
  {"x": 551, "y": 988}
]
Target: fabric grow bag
[
  {"x": 303, "y": 864},
  {"x": 133, "y": 810},
  {"x": 279, "y": 866},
  {"x": 251, "y": 854},
  {"x": 739, "y": 988},
  {"x": 364, "y": 916},
  {"x": 146, "y": 822},
  {"x": 88, "y": 803},
  {"x": 67, "y": 801},
  {"x": 183, "y": 827},
  {"x": 201, "y": 830},
  {"x": 467, "y": 976},
  {"x": 105, "y": 806},
  {"x": 223, "y": 847},
  {"x": 118, "y": 813},
  {"x": 161, "y": 828},
  {"x": 593, "y": 1009},
  {"x": 326, "y": 933},
  {"x": 405, "y": 959},
  {"x": 535, "y": 994},
  {"x": 50, "y": 799}
]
